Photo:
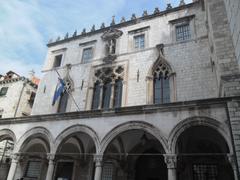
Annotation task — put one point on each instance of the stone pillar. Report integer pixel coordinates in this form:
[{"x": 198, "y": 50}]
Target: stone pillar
[
  {"x": 15, "y": 159},
  {"x": 112, "y": 95},
  {"x": 98, "y": 167},
  {"x": 232, "y": 161},
  {"x": 171, "y": 161},
  {"x": 51, "y": 164}
]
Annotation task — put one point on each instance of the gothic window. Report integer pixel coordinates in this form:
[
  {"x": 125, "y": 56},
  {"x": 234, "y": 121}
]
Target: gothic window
[
  {"x": 57, "y": 61},
  {"x": 139, "y": 41},
  {"x": 107, "y": 88},
  {"x": 63, "y": 102},
  {"x": 183, "y": 32},
  {"x": 107, "y": 91},
  {"x": 96, "y": 95},
  {"x": 87, "y": 54},
  {"x": 118, "y": 93},
  {"x": 161, "y": 85}
]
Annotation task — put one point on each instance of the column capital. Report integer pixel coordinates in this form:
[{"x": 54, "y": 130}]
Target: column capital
[
  {"x": 15, "y": 157},
  {"x": 171, "y": 160},
  {"x": 50, "y": 156},
  {"x": 231, "y": 159},
  {"x": 98, "y": 158}
]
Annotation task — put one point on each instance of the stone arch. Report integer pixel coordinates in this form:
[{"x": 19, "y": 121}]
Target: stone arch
[
  {"x": 7, "y": 134},
  {"x": 35, "y": 132},
  {"x": 197, "y": 121},
  {"x": 133, "y": 125},
  {"x": 74, "y": 129}
]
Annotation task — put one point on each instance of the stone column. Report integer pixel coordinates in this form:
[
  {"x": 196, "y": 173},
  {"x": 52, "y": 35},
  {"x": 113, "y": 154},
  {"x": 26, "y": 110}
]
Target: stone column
[
  {"x": 98, "y": 167},
  {"x": 171, "y": 161},
  {"x": 51, "y": 164},
  {"x": 112, "y": 95},
  {"x": 15, "y": 159},
  {"x": 232, "y": 160}
]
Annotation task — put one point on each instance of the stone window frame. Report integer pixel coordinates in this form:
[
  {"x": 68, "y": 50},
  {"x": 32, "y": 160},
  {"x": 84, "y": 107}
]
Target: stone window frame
[
  {"x": 180, "y": 22},
  {"x": 138, "y": 32},
  {"x": 56, "y": 53},
  {"x": 93, "y": 80},
  {"x": 87, "y": 45},
  {"x": 90, "y": 57}
]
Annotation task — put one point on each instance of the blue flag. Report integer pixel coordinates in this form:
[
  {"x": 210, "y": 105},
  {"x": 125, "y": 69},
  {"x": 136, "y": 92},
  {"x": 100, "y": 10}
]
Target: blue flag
[{"x": 58, "y": 91}]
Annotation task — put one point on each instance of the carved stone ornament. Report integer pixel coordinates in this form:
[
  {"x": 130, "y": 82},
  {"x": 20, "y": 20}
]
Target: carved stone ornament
[
  {"x": 50, "y": 157},
  {"x": 110, "y": 37},
  {"x": 170, "y": 160},
  {"x": 161, "y": 66},
  {"x": 16, "y": 157},
  {"x": 109, "y": 74},
  {"x": 98, "y": 158},
  {"x": 69, "y": 85}
]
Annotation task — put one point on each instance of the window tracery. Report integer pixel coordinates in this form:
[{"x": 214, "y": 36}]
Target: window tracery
[{"x": 107, "y": 91}]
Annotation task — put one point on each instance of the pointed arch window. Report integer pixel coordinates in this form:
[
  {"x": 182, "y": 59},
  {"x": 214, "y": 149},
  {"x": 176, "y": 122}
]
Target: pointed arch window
[
  {"x": 118, "y": 93},
  {"x": 161, "y": 85},
  {"x": 96, "y": 95}
]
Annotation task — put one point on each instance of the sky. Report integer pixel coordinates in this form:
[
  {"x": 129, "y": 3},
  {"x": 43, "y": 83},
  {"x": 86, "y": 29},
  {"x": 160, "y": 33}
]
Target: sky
[{"x": 27, "y": 25}]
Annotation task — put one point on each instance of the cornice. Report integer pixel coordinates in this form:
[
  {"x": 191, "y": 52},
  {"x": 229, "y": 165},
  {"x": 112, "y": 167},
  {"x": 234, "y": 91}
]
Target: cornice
[{"x": 132, "y": 110}]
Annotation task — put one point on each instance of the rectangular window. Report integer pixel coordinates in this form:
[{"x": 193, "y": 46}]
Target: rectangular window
[
  {"x": 3, "y": 91},
  {"x": 139, "y": 42},
  {"x": 107, "y": 173},
  {"x": 33, "y": 169},
  {"x": 87, "y": 55},
  {"x": 57, "y": 61},
  {"x": 205, "y": 172},
  {"x": 183, "y": 32}
]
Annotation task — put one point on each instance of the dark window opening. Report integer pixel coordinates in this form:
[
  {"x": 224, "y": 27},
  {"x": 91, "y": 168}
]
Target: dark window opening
[
  {"x": 57, "y": 61},
  {"x": 161, "y": 90},
  {"x": 183, "y": 32},
  {"x": 107, "y": 88},
  {"x": 96, "y": 95},
  {"x": 63, "y": 102},
  {"x": 205, "y": 172},
  {"x": 3, "y": 91},
  {"x": 118, "y": 93}
]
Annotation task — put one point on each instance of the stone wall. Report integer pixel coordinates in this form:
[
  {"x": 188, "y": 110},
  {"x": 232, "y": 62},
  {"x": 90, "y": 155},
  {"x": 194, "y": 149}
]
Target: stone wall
[
  {"x": 190, "y": 61},
  {"x": 233, "y": 12}
]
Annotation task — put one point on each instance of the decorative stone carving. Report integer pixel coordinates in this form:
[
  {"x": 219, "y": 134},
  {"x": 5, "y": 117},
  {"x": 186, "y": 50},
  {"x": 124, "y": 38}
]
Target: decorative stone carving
[
  {"x": 113, "y": 21},
  {"x": 109, "y": 74},
  {"x": 123, "y": 20},
  {"x": 133, "y": 17},
  {"x": 66, "y": 36},
  {"x": 98, "y": 158},
  {"x": 182, "y": 2},
  {"x": 58, "y": 38},
  {"x": 75, "y": 33},
  {"x": 102, "y": 26},
  {"x": 93, "y": 28},
  {"x": 145, "y": 13},
  {"x": 16, "y": 157},
  {"x": 171, "y": 161},
  {"x": 84, "y": 31},
  {"x": 50, "y": 157},
  {"x": 156, "y": 11},
  {"x": 169, "y": 6},
  {"x": 231, "y": 160},
  {"x": 110, "y": 37}
]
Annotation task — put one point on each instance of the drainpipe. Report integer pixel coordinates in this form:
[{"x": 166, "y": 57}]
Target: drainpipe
[
  {"x": 232, "y": 140},
  {"x": 18, "y": 103}
]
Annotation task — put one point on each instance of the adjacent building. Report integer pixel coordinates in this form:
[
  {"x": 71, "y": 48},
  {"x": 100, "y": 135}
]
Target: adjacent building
[{"x": 156, "y": 97}]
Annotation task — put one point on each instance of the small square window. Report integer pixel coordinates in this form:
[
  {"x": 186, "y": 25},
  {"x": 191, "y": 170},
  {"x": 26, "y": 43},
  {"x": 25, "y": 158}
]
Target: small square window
[
  {"x": 87, "y": 55},
  {"x": 3, "y": 91},
  {"x": 183, "y": 32},
  {"x": 57, "y": 61},
  {"x": 139, "y": 42}
]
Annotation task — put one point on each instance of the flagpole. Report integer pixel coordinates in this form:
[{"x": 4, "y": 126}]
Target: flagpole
[{"x": 68, "y": 91}]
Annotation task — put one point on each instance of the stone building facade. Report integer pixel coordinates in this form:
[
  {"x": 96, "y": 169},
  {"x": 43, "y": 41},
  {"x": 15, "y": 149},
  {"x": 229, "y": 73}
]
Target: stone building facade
[{"x": 154, "y": 97}]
